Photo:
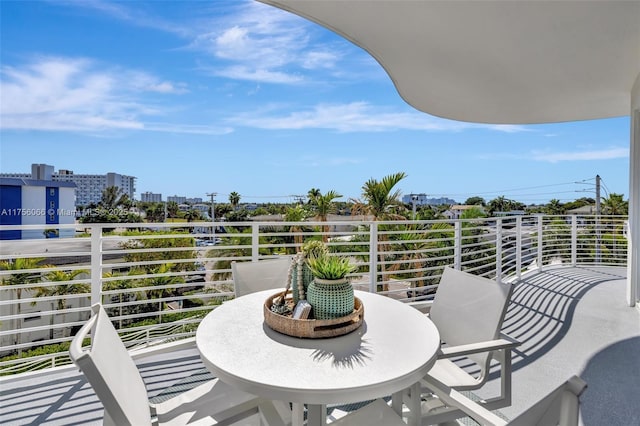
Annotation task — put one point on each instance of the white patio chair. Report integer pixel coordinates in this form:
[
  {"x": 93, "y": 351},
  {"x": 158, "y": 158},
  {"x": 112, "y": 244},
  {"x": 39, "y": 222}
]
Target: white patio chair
[
  {"x": 377, "y": 413},
  {"x": 561, "y": 407},
  {"x": 118, "y": 384},
  {"x": 249, "y": 277},
  {"x": 468, "y": 311}
]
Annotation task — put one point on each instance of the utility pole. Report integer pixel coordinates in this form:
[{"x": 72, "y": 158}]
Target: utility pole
[
  {"x": 414, "y": 200},
  {"x": 165, "y": 210},
  {"x": 598, "y": 195},
  {"x": 598, "y": 218},
  {"x": 299, "y": 198},
  {"x": 213, "y": 216}
]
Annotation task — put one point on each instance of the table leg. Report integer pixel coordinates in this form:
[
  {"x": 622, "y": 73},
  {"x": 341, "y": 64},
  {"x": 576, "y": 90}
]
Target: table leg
[
  {"x": 415, "y": 405},
  {"x": 396, "y": 402},
  {"x": 297, "y": 415},
  {"x": 316, "y": 415}
]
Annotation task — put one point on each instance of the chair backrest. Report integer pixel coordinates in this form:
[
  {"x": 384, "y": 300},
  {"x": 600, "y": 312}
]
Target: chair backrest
[
  {"x": 469, "y": 309},
  {"x": 249, "y": 277},
  {"x": 111, "y": 371}
]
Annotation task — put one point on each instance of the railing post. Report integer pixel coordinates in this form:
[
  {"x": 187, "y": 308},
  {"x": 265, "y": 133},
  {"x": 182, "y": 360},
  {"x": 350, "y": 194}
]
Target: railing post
[
  {"x": 96, "y": 264},
  {"x": 499, "y": 251},
  {"x": 518, "y": 247},
  {"x": 574, "y": 240},
  {"x": 373, "y": 257},
  {"x": 539, "y": 261},
  {"x": 255, "y": 242},
  {"x": 457, "y": 246}
]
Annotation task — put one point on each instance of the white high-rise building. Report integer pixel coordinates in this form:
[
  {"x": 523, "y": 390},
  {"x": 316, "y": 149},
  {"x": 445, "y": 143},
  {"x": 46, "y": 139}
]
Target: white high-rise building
[
  {"x": 150, "y": 197},
  {"x": 88, "y": 187}
]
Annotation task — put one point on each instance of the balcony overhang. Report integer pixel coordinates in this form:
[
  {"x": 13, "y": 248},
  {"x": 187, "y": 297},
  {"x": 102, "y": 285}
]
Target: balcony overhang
[{"x": 513, "y": 62}]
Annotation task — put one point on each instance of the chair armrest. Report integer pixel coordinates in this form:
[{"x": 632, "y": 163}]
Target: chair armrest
[
  {"x": 504, "y": 342},
  {"x": 422, "y": 306}
]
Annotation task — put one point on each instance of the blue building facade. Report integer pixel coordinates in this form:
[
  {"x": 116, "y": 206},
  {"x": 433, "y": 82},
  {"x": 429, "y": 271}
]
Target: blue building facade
[{"x": 36, "y": 202}]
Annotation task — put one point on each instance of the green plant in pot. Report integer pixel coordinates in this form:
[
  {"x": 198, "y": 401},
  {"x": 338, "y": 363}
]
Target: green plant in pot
[
  {"x": 330, "y": 293},
  {"x": 300, "y": 274}
]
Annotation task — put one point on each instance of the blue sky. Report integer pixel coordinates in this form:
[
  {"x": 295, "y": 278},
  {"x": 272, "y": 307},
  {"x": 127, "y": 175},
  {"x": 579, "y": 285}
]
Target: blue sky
[{"x": 195, "y": 97}]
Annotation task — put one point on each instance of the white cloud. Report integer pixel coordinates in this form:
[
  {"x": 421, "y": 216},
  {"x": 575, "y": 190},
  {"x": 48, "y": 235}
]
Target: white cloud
[
  {"x": 62, "y": 94},
  {"x": 604, "y": 154},
  {"x": 240, "y": 72},
  {"x": 264, "y": 44},
  {"x": 355, "y": 117}
]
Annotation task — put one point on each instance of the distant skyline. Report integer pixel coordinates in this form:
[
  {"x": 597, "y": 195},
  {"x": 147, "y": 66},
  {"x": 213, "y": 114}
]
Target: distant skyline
[{"x": 200, "y": 97}]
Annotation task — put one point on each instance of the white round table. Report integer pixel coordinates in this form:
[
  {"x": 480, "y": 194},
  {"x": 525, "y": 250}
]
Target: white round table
[{"x": 394, "y": 348}]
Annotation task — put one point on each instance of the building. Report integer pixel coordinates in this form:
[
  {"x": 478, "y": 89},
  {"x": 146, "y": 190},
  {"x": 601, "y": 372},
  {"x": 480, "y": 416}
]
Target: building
[
  {"x": 423, "y": 200},
  {"x": 176, "y": 199},
  {"x": 456, "y": 211},
  {"x": 88, "y": 187},
  {"x": 150, "y": 197},
  {"x": 36, "y": 202}
]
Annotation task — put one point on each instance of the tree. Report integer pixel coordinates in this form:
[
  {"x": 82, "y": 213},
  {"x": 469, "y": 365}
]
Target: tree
[
  {"x": 323, "y": 206},
  {"x": 112, "y": 208},
  {"x": 234, "y": 199},
  {"x": 113, "y": 197},
  {"x": 172, "y": 209},
  {"x": 63, "y": 290},
  {"x": 615, "y": 205},
  {"x": 161, "y": 278},
  {"x": 498, "y": 204},
  {"x": 296, "y": 214},
  {"x": 154, "y": 212},
  {"x": 18, "y": 279},
  {"x": 381, "y": 201},
  {"x": 192, "y": 215},
  {"x": 554, "y": 207},
  {"x": 473, "y": 201},
  {"x": 313, "y": 193}
]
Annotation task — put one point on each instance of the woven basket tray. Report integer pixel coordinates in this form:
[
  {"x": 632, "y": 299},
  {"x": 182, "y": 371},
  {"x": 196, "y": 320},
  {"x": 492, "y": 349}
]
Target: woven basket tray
[{"x": 312, "y": 328}]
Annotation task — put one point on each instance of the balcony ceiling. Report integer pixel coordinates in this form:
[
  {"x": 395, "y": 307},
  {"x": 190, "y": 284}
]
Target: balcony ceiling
[{"x": 496, "y": 61}]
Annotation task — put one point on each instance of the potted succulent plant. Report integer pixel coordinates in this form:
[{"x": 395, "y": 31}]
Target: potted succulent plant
[
  {"x": 330, "y": 293},
  {"x": 300, "y": 275}
]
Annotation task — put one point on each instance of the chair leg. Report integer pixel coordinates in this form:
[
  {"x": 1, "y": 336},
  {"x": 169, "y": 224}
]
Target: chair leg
[{"x": 297, "y": 415}]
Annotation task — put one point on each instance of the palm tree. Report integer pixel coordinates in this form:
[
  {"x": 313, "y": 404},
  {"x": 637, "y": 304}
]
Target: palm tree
[
  {"x": 234, "y": 199},
  {"x": 172, "y": 209},
  {"x": 313, "y": 193},
  {"x": 296, "y": 214},
  {"x": 323, "y": 205},
  {"x": 161, "y": 280},
  {"x": 498, "y": 204},
  {"x": 123, "y": 284},
  {"x": 383, "y": 203},
  {"x": 192, "y": 215},
  {"x": 18, "y": 279},
  {"x": 113, "y": 197},
  {"x": 554, "y": 207},
  {"x": 615, "y": 205},
  {"x": 62, "y": 290}
]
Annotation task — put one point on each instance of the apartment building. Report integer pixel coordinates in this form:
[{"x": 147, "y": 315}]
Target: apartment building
[
  {"x": 150, "y": 197},
  {"x": 89, "y": 187}
]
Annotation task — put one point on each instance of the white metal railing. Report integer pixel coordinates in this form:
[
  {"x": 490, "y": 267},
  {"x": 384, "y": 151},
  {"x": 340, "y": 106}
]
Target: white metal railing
[{"x": 157, "y": 280}]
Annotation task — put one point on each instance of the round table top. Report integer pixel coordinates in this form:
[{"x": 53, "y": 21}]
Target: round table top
[{"x": 394, "y": 348}]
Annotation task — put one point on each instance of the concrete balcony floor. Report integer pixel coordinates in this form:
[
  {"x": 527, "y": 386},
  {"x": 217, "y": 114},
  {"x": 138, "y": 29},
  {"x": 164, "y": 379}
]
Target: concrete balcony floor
[{"x": 569, "y": 320}]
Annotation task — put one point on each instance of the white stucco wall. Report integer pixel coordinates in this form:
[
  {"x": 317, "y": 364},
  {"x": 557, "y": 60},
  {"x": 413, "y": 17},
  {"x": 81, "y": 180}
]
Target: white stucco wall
[{"x": 633, "y": 273}]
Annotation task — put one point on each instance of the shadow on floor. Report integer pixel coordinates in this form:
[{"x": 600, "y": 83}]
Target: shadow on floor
[{"x": 613, "y": 378}]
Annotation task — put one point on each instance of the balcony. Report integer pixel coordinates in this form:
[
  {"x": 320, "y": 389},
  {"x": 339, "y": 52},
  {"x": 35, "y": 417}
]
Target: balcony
[{"x": 157, "y": 282}]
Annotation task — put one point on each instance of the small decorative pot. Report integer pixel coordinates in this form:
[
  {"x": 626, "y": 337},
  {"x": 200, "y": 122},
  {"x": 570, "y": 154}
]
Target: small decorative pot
[
  {"x": 307, "y": 277},
  {"x": 330, "y": 298}
]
